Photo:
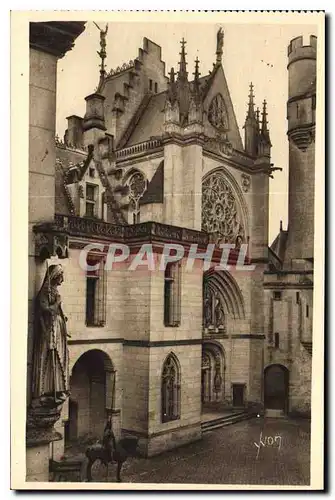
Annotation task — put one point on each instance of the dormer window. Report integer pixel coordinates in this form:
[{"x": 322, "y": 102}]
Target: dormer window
[
  {"x": 150, "y": 84},
  {"x": 91, "y": 197}
]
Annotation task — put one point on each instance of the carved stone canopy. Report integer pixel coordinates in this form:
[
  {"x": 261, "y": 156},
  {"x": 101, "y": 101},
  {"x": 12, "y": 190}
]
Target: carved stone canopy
[{"x": 50, "y": 240}]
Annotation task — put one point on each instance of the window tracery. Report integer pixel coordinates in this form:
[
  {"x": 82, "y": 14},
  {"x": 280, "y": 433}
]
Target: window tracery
[
  {"x": 170, "y": 390},
  {"x": 137, "y": 185},
  {"x": 217, "y": 113},
  {"x": 221, "y": 216}
]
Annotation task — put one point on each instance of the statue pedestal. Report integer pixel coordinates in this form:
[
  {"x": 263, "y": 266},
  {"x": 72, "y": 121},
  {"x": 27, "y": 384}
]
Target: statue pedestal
[
  {"x": 40, "y": 432},
  {"x": 38, "y": 454},
  {"x": 37, "y": 463}
]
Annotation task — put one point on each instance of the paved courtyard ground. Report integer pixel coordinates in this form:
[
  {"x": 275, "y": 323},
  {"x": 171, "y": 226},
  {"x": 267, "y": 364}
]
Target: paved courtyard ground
[{"x": 229, "y": 456}]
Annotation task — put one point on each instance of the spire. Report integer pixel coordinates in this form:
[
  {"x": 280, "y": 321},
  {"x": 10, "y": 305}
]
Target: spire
[
  {"x": 172, "y": 91},
  {"x": 182, "y": 73},
  {"x": 172, "y": 75},
  {"x": 219, "y": 46},
  {"x": 196, "y": 71},
  {"x": 264, "y": 126},
  {"x": 196, "y": 83},
  {"x": 257, "y": 119},
  {"x": 251, "y": 105}
]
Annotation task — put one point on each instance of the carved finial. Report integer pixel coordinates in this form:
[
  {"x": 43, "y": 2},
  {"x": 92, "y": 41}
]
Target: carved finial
[
  {"x": 172, "y": 91},
  {"x": 265, "y": 131},
  {"x": 196, "y": 71},
  {"x": 251, "y": 105},
  {"x": 219, "y": 46},
  {"x": 182, "y": 73},
  {"x": 102, "y": 54},
  {"x": 172, "y": 75}
]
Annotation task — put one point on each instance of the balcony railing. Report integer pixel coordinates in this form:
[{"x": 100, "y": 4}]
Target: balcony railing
[
  {"x": 138, "y": 149},
  {"x": 150, "y": 230}
]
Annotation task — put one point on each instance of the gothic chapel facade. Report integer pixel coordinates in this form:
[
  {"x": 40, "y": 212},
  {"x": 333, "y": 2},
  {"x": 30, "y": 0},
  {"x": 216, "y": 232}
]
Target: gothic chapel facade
[{"x": 158, "y": 160}]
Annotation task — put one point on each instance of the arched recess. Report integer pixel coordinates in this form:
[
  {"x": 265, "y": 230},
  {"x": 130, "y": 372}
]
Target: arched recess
[
  {"x": 170, "y": 388},
  {"x": 92, "y": 393},
  {"x": 221, "y": 297},
  {"x": 213, "y": 370},
  {"x": 225, "y": 214},
  {"x": 276, "y": 387}
]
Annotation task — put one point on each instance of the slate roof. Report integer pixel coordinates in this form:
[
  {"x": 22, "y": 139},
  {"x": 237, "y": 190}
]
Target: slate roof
[
  {"x": 150, "y": 123},
  {"x": 278, "y": 245},
  {"x": 155, "y": 191}
]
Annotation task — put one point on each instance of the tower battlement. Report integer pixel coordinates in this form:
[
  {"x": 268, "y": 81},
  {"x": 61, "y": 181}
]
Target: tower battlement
[{"x": 297, "y": 50}]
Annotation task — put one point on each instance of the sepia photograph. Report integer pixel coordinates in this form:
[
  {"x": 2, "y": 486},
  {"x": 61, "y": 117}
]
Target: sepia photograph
[{"x": 170, "y": 329}]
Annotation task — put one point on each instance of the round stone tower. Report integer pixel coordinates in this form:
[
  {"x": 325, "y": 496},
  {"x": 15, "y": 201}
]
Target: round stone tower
[{"x": 301, "y": 134}]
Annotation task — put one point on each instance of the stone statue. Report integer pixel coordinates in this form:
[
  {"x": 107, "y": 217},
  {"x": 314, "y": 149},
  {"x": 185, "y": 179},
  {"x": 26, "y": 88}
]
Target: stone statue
[
  {"x": 208, "y": 320},
  {"x": 103, "y": 35},
  {"x": 50, "y": 355},
  {"x": 217, "y": 380},
  {"x": 238, "y": 242},
  {"x": 219, "y": 41},
  {"x": 219, "y": 313}
]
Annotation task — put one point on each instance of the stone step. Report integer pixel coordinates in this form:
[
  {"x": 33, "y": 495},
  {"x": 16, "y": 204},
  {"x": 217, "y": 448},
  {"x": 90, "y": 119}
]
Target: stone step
[
  {"x": 270, "y": 413},
  {"x": 226, "y": 420}
]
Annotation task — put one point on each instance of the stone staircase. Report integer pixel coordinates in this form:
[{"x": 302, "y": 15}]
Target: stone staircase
[{"x": 224, "y": 420}]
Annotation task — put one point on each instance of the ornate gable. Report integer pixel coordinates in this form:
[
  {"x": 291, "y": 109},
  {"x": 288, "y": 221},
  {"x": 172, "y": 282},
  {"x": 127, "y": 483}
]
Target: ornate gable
[{"x": 219, "y": 110}]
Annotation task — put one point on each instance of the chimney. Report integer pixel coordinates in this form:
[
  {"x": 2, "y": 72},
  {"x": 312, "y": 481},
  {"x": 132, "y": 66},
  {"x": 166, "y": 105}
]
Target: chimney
[{"x": 74, "y": 136}]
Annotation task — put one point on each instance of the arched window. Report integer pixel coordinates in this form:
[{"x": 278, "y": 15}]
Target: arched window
[
  {"x": 137, "y": 185},
  {"x": 170, "y": 389}
]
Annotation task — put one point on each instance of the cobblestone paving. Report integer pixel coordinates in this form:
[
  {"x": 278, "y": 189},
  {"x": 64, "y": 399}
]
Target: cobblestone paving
[{"x": 228, "y": 456}]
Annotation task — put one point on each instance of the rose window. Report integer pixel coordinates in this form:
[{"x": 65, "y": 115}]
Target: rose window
[{"x": 221, "y": 217}]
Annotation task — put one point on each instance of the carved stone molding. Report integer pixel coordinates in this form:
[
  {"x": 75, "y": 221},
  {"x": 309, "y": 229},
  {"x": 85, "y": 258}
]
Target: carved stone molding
[
  {"x": 55, "y": 38},
  {"x": 246, "y": 181},
  {"x": 77, "y": 226},
  {"x": 50, "y": 240},
  {"x": 41, "y": 418},
  {"x": 219, "y": 144}
]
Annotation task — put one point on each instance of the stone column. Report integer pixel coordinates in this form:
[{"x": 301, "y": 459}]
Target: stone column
[{"x": 48, "y": 42}]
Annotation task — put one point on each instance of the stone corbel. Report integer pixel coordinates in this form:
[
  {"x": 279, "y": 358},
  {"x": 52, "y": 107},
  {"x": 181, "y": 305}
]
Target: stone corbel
[
  {"x": 302, "y": 136},
  {"x": 50, "y": 240}
]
